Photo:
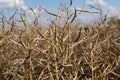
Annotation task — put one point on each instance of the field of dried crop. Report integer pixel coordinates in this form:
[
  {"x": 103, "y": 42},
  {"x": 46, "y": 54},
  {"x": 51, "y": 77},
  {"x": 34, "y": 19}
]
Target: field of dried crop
[
  {"x": 55, "y": 52},
  {"x": 60, "y": 53}
]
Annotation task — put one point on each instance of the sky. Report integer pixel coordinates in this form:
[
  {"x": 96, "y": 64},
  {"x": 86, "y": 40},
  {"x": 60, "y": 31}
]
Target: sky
[
  {"x": 55, "y": 3},
  {"x": 51, "y": 5}
]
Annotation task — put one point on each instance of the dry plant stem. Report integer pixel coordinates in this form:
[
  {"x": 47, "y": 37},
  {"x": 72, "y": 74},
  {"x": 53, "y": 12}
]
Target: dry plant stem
[
  {"x": 92, "y": 65},
  {"x": 51, "y": 75},
  {"x": 31, "y": 65},
  {"x": 42, "y": 72},
  {"x": 57, "y": 72}
]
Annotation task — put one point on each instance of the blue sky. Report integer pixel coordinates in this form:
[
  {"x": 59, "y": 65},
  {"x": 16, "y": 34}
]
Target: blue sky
[
  {"x": 112, "y": 5},
  {"x": 51, "y": 5}
]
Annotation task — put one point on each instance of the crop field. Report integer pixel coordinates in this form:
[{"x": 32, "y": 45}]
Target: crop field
[{"x": 67, "y": 52}]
